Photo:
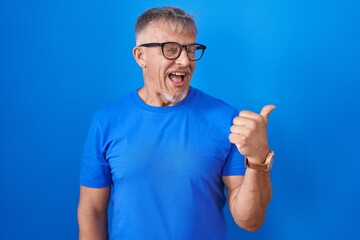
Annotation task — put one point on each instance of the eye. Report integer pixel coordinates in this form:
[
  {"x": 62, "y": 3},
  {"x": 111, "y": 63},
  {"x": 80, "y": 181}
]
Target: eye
[
  {"x": 192, "y": 49},
  {"x": 172, "y": 50}
]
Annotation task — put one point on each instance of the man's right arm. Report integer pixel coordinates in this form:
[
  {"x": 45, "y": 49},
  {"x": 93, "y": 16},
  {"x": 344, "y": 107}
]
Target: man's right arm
[{"x": 92, "y": 213}]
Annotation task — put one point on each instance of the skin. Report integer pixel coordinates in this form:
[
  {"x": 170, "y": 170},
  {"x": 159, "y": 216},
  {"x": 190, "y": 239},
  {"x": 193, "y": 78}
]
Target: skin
[
  {"x": 248, "y": 195},
  {"x": 92, "y": 213},
  {"x": 156, "y": 68}
]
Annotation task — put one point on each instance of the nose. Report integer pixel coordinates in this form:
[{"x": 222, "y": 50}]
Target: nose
[{"x": 183, "y": 59}]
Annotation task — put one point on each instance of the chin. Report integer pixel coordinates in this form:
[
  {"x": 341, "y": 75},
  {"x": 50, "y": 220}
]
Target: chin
[{"x": 175, "y": 98}]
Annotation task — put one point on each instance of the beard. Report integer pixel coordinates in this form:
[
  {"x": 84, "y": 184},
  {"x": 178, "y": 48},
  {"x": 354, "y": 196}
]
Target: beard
[{"x": 175, "y": 98}]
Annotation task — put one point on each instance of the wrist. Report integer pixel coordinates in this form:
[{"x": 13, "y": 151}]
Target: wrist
[
  {"x": 260, "y": 157},
  {"x": 265, "y": 165}
]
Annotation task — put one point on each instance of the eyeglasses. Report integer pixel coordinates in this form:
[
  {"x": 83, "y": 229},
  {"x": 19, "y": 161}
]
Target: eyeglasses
[{"x": 172, "y": 50}]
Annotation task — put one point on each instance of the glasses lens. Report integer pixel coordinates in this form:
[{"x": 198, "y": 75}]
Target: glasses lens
[
  {"x": 195, "y": 52},
  {"x": 171, "y": 50}
]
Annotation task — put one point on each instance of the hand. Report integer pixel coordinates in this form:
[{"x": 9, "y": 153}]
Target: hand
[{"x": 249, "y": 134}]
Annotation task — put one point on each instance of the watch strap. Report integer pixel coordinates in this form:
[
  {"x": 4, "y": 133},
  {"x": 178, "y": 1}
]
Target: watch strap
[{"x": 261, "y": 166}]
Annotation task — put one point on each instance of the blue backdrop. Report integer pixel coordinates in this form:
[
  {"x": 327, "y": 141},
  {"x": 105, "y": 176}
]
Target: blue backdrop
[{"x": 62, "y": 60}]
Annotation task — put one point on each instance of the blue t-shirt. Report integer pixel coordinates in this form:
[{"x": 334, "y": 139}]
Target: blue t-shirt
[{"x": 165, "y": 166}]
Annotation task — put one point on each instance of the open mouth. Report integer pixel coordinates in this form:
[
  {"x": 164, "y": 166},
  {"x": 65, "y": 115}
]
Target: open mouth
[{"x": 177, "y": 78}]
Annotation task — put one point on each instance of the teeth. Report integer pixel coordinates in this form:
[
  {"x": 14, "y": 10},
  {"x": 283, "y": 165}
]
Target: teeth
[{"x": 178, "y": 73}]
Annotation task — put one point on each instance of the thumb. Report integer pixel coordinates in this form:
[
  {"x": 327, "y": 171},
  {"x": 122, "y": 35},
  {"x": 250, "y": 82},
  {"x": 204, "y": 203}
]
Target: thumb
[{"x": 266, "y": 110}]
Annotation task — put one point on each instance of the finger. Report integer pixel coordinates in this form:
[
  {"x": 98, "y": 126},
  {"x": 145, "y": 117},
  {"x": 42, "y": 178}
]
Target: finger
[
  {"x": 240, "y": 130},
  {"x": 266, "y": 110},
  {"x": 249, "y": 114},
  {"x": 244, "y": 121},
  {"x": 237, "y": 139}
]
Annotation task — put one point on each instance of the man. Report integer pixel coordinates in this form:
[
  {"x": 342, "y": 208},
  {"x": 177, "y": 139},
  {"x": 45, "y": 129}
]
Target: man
[{"x": 164, "y": 151}]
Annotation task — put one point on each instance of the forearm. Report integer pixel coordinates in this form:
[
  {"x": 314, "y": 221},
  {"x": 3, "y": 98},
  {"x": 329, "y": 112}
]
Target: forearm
[
  {"x": 248, "y": 202},
  {"x": 92, "y": 226}
]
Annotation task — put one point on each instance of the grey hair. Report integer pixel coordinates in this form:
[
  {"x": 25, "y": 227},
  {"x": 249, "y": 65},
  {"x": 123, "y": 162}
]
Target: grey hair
[{"x": 173, "y": 17}]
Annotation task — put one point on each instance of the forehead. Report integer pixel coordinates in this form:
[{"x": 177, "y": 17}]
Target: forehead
[{"x": 165, "y": 31}]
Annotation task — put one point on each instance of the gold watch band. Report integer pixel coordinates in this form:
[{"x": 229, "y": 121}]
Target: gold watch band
[{"x": 261, "y": 166}]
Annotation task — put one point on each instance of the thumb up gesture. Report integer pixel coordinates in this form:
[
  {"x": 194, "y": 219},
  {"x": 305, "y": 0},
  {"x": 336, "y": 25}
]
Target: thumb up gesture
[{"x": 249, "y": 134}]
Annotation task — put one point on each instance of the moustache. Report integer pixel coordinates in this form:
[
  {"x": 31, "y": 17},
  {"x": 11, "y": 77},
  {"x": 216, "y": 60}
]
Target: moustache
[{"x": 179, "y": 69}]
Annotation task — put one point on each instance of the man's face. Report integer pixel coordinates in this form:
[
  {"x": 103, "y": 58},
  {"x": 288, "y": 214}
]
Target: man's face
[{"x": 166, "y": 82}]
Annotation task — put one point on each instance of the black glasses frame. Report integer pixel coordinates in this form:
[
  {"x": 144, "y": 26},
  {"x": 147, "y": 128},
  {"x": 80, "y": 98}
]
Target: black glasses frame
[{"x": 186, "y": 47}]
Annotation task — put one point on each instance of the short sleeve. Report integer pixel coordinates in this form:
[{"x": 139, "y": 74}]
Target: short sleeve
[
  {"x": 94, "y": 170},
  {"x": 234, "y": 164}
]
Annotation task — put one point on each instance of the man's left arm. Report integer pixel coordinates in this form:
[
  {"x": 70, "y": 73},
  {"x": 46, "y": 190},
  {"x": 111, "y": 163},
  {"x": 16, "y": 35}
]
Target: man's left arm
[{"x": 249, "y": 195}]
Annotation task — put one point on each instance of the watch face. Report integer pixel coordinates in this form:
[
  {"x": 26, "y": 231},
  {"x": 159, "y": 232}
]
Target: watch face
[
  {"x": 272, "y": 159},
  {"x": 272, "y": 162}
]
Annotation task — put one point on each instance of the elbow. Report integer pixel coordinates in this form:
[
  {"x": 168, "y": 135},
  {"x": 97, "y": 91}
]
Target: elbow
[
  {"x": 250, "y": 222},
  {"x": 250, "y": 225}
]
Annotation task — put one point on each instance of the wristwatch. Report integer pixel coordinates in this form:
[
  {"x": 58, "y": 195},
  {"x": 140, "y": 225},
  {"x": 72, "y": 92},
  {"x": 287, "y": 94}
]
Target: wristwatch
[{"x": 266, "y": 166}]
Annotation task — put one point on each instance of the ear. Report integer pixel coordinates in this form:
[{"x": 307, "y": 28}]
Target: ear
[{"x": 139, "y": 56}]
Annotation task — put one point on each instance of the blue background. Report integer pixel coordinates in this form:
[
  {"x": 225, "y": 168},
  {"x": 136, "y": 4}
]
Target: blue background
[{"x": 62, "y": 60}]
